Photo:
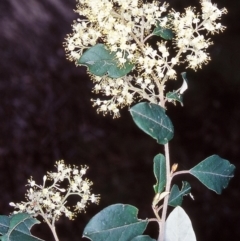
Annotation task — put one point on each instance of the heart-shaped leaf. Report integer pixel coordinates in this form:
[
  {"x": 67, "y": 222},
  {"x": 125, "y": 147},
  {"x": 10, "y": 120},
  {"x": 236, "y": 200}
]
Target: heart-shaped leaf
[
  {"x": 101, "y": 61},
  {"x": 116, "y": 222},
  {"x": 214, "y": 172},
  {"x": 179, "y": 227},
  {"x": 151, "y": 118},
  {"x": 176, "y": 195}
]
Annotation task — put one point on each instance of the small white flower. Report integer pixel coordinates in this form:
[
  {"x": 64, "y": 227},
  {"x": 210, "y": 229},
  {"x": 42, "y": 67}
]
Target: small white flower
[
  {"x": 125, "y": 31},
  {"x": 75, "y": 171},
  {"x": 49, "y": 202},
  {"x": 174, "y": 61},
  {"x": 83, "y": 170},
  {"x": 85, "y": 186}
]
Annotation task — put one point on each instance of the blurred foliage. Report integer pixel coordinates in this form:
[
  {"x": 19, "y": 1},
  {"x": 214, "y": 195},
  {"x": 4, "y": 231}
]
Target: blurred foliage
[{"x": 46, "y": 115}]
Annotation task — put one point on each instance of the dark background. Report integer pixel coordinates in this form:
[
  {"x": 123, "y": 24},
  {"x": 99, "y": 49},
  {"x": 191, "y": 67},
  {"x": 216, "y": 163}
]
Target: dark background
[{"x": 46, "y": 115}]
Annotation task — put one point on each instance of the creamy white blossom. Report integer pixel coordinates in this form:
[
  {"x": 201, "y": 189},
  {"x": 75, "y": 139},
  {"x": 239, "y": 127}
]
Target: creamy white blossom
[
  {"x": 49, "y": 201},
  {"x": 125, "y": 27}
]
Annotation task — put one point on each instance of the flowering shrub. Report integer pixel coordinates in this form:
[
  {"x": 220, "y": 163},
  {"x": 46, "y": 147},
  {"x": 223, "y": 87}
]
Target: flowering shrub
[
  {"x": 131, "y": 50},
  {"x": 126, "y": 28},
  {"x": 49, "y": 201}
]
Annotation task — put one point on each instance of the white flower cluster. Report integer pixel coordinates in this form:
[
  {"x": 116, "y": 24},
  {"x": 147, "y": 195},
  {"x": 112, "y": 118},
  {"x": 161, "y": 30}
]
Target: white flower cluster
[
  {"x": 125, "y": 27},
  {"x": 49, "y": 201},
  {"x": 188, "y": 26}
]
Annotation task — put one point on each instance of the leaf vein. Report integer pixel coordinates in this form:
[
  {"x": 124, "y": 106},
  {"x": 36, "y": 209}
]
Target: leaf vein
[
  {"x": 213, "y": 173},
  {"x": 161, "y": 124}
]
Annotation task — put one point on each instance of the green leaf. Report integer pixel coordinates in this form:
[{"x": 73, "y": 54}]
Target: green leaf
[
  {"x": 101, "y": 61},
  {"x": 17, "y": 227},
  {"x": 159, "y": 169},
  {"x": 179, "y": 227},
  {"x": 174, "y": 96},
  {"x": 176, "y": 195},
  {"x": 143, "y": 238},
  {"x": 4, "y": 224},
  {"x": 151, "y": 118},
  {"x": 165, "y": 33},
  {"x": 214, "y": 172},
  {"x": 116, "y": 222}
]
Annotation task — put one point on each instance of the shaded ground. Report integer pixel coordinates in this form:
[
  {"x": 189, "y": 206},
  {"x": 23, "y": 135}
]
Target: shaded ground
[{"x": 46, "y": 115}]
